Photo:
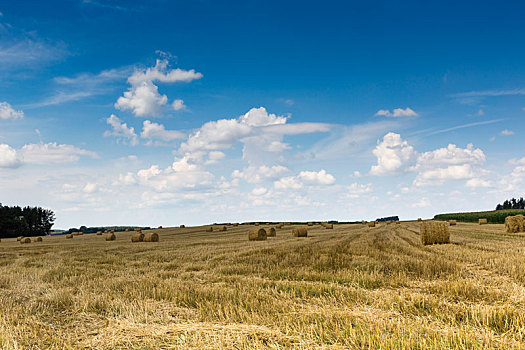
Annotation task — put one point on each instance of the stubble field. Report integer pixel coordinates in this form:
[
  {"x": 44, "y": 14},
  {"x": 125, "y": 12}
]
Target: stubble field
[{"x": 350, "y": 287}]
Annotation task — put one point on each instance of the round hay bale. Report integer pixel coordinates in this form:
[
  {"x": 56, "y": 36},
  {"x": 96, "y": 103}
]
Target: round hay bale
[
  {"x": 256, "y": 224},
  {"x": 419, "y": 219},
  {"x": 127, "y": 230},
  {"x": 515, "y": 224},
  {"x": 25, "y": 240},
  {"x": 182, "y": 226},
  {"x": 224, "y": 228},
  {"x": 137, "y": 237},
  {"x": 69, "y": 236},
  {"x": 329, "y": 226},
  {"x": 209, "y": 229},
  {"x": 434, "y": 232},
  {"x": 257, "y": 235},
  {"x": 236, "y": 224},
  {"x": 151, "y": 237},
  {"x": 363, "y": 222},
  {"x": 310, "y": 224},
  {"x": 371, "y": 224},
  {"x": 111, "y": 237},
  {"x": 452, "y": 222},
  {"x": 160, "y": 227},
  {"x": 99, "y": 233},
  {"x": 398, "y": 223},
  {"x": 138, "y": 229},
  {"x": 112, "y": 231},
  {"x": 300, "y": 232},
  {"x": 38, "y": 239},
  {"x": 19, "y": 238},
  {"x": 272, "y": 232},
  {"x": 482, "y": 221}
]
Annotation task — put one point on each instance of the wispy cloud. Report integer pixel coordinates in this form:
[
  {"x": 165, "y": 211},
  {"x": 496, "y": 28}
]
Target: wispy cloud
[
  {"x": 82, "y": 86},
  {"x": 469, "y": 125},
  {"x": 107, "y": 5},
  {"x": 20, "y": 48},
  {"x": 489, "y": 93}
]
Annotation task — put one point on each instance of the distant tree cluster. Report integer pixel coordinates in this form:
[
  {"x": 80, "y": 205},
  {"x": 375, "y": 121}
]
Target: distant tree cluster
[
  {"x": 512, "y": 204},
  {"x": 29, "y": 221},
  {"x": 390, "y": 218},
  {"x": 85, "y": 229}
]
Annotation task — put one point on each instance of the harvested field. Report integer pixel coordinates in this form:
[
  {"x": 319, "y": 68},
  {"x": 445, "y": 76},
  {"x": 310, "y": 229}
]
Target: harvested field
[{"x": 349, "y": 287}]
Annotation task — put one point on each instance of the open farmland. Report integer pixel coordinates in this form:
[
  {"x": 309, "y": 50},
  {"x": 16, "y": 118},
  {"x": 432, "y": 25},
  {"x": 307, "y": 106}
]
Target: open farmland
[{"x": 347, "y": 287}]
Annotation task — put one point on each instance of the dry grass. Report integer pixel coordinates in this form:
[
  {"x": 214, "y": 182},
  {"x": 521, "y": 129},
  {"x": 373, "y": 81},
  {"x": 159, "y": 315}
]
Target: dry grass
[{"x": 345, "y": 288}]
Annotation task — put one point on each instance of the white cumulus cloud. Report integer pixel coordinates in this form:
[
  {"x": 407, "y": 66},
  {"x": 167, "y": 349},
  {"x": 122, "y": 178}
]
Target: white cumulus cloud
[
  {"x": 397, "y": 113},
  {"x": 9, "y": 157},
  {"x": 254, "y": 174},
  {"x": 393, "y": 155},
  {"x": 312, "y": 178},
  {"x": 53, "y": 153},
  {"x": 143, "y": 97},
  {"x": 155, "y": 131},
  {"x": 121, "y": 130},
  {"x": 178, "y": 105},
  {"x": 317, "y": 178},
  {"x": 8, "y": 112}
]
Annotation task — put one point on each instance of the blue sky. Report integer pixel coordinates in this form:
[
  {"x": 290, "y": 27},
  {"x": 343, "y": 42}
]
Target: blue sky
[{"x": 116, "y": 112}]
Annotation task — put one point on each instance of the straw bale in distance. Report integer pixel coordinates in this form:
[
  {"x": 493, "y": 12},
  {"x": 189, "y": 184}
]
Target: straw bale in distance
[
  {"x": 19, "y": 238},
  {"x": 300, "y": 232},
  {"x": 209, "y": 229},
  {"x": 182, "y": 226},
  {"x": 310, "y": 224},
  {"x": 452, "y": 222},
  {"x": 69, "y": 236},
  {"x": 434, "y": 232},
  {"x": 137, "y": 237},
  {"x": 236, "y": 224},
  {"x": 515, "y": 224},
  {"x": 151, "y": 237},
  {"x": 482, "y": 221},
  {"x": 372, "y": 224},
  {"x": 38, "y": 239},
  {"x": 224, "y": 228},
  {"x": 138, "y": 229},
  {"x": 257, "y": 235},
  {"x": 160, "y": 227},
  {"x": 25, "y": 240},
  {"x": 272, "y": 232},
  {"x": 329, "y": 226},
  {"x": 419, "y": 219},
  {"x": 99, "y": 233},
  {"x": 256, "y": 224},
  {"x": 127, "y": 230},
  {"x": 110, "y": 237}
]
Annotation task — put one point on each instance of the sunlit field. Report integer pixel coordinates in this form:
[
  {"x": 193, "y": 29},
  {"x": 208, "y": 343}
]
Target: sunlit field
[{"x": 349, "y": 287}]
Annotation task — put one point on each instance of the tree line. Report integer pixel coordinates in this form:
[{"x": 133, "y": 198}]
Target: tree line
[
  {"x": 28, "y": 221},
  {"x": 512, "y": 204}
]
